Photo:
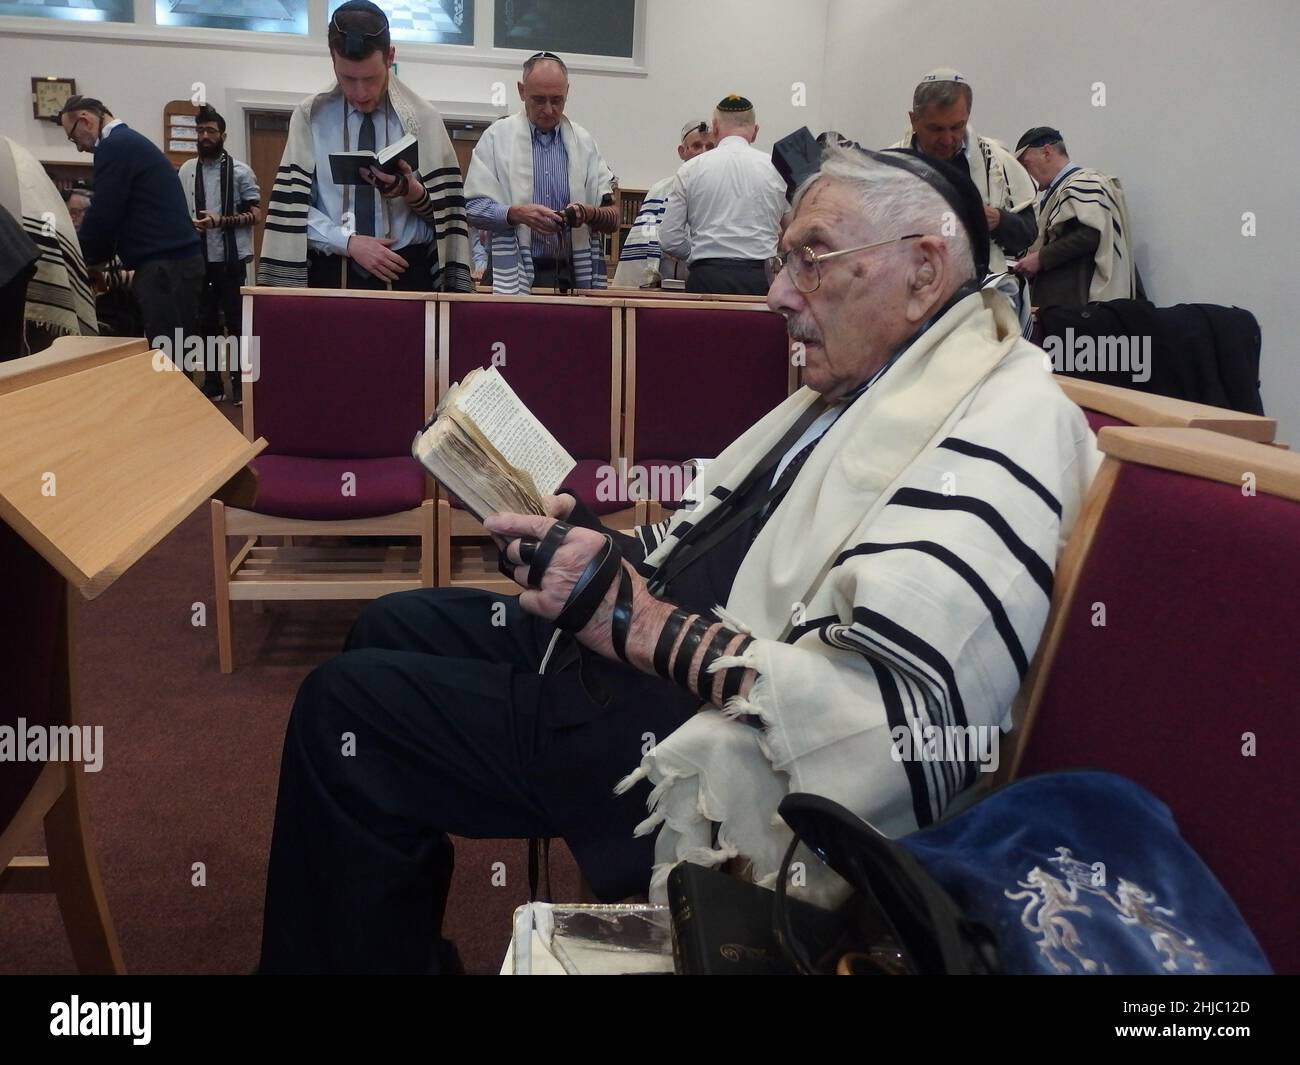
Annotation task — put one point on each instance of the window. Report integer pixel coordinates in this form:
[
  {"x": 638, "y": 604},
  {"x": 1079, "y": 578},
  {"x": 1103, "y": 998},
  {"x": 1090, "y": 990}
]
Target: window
[
  {"x": 262, "y": 16},
  {"x": 569, "y": 27},
  {"x": 426, "y": 21},
  {"x": 72, "y": 10}
]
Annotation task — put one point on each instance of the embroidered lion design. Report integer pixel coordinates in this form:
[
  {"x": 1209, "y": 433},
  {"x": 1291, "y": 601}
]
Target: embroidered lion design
[
  {"x": 1049, "y": 901},
  {"x": 1136, "y": 907}
]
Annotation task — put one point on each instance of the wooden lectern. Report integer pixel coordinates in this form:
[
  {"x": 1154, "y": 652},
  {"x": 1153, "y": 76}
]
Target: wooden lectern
[{"x": 104, "y": 453}]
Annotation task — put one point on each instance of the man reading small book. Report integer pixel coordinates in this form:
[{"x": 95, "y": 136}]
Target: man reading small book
[
  {"x": 875, "y": 553},
  {"x": 402, "y": 232}
]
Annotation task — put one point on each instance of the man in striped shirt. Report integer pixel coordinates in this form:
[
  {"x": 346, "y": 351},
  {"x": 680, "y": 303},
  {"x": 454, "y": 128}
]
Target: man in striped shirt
[{"x": 541, "y": 196}]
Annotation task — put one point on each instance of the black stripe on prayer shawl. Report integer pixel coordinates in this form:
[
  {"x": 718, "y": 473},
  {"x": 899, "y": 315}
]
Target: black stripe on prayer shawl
[
  {"x": 942, "y": 778},
  {"x": 278, "y": 212},
  {"x": 834, "y": 633},
  {"x": 291, "y": 167},
  {"x": 441, "y": 171},
  {"x": 872, "y": 621},
  {"x": 979, "y": 451},
  {"x": 1025, "y": 555},
  {"x": 867, "y": 644},
  {"x": 913, "y": 767},
  {"x": 1110, "y": 208},
  {"x": 279, "y": 228},
  {"x": 287, "y": 263},
  {"x": 291, "y": 197},
  {"x": 963, "y": 569}
]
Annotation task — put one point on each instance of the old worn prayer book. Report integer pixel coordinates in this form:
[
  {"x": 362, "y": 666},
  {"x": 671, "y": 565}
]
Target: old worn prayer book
[
  {"x": 345, "y": 167},
  {"x": 486, "y": 448}
]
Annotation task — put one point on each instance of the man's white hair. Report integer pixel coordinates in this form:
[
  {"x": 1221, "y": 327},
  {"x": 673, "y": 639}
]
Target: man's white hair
[{"x": 895, "y": 202}]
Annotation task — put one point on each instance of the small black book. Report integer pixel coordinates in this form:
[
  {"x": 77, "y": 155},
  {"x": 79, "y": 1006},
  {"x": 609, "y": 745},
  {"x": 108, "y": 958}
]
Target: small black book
[
  {"x": 722, "y": 925},
  {"x": 345, "y": 167}
]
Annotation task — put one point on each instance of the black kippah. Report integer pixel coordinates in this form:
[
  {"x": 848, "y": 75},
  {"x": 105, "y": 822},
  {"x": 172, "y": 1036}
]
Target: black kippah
[{"x": 734, "y": 103}]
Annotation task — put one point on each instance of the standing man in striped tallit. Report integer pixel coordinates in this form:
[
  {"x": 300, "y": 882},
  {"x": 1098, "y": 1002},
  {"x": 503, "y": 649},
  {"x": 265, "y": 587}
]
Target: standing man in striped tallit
[
  {"x": 1084, "y": 253},
  {"x": 538, "y": 184},
  {"x": 407, "y": 233}
]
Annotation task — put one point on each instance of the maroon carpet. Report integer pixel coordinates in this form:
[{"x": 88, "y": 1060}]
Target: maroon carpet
[{"x": 190, "y": 765}]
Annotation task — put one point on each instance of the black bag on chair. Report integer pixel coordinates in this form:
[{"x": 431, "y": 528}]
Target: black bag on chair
[{"x": 1075, "y": 872}]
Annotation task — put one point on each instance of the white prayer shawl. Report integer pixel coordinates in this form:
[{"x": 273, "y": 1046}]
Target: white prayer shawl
[
  {"x": 913, "y": 556},
  {"x": 1095, "y": 200},
  {"x": 502, "y": 170},
  {"x": 1001, "y": 180},
  {"x": 59, "y": 296},
  {"x": 640, "y": 254},
  {"x": 283, "y": 259}
]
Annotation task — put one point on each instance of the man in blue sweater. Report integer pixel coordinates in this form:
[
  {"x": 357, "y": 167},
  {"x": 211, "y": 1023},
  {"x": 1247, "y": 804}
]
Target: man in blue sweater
[{"x": 139, "y": 213}]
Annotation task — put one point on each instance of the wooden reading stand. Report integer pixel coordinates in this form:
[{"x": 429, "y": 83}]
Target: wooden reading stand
[{"x": 104, "y": 456}]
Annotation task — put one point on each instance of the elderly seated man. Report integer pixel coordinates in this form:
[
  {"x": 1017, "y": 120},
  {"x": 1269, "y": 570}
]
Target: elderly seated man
[{"x": 874, "y": 557}]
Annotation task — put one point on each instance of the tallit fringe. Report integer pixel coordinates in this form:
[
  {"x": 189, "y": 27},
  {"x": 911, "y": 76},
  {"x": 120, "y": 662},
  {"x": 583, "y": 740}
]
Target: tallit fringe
[
  {"x": 731, "y": 621},
  {"x": 730, "y": 661},
  {"x": 630, "y": 781},
  {"x": 650, "y": 823}
]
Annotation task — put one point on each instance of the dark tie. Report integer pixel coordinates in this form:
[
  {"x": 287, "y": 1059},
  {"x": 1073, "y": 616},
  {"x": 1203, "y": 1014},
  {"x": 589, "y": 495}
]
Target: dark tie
[
  {"x": 365, "y": 194},
  {"x": 783, "y": 484}
]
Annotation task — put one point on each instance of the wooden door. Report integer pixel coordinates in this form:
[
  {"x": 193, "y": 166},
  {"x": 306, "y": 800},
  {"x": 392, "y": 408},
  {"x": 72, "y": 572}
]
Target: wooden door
[{"x": 268, "y": 131}]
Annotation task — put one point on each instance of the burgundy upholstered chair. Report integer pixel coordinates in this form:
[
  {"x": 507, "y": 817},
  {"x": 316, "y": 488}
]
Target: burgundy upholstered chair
[
  {"x": 34, "y": 663},
  {"x": 344, "y": 384},
  {"x": 563, "y": 358},
  {"x": 699, "y": 375},
  {"x": 1188, "y": 543}
]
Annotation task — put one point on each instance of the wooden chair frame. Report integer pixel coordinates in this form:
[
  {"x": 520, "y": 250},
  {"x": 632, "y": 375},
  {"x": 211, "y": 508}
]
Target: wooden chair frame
[
  {"x": 261, "y": 572},
  {"x": 1145, "y": 409}
]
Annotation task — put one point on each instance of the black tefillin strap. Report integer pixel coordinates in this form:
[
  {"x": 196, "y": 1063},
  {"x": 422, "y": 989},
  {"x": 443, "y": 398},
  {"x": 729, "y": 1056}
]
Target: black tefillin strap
[{"x": 591, "y": 587}]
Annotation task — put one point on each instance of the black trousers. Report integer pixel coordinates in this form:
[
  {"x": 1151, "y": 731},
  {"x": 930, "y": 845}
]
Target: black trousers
[
  {"x": 430, "y": 723},
  {"x": 221, "y": 300},
  {"x": 326, "y": 271},
  {"x": 746, "y": 277},
  {"x": 169, "y": 293}
]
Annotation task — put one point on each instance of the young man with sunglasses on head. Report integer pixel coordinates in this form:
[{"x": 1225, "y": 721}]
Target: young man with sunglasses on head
[
  {"x": 405, "y": 233},
  {"x": 538, "y": 184},
  {"x": 640, "y": 259}
]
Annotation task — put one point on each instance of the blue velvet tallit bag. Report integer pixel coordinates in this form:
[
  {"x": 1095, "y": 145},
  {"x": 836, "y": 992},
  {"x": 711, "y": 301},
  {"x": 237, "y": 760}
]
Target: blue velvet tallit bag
[{"x": 1077, "y": 872}]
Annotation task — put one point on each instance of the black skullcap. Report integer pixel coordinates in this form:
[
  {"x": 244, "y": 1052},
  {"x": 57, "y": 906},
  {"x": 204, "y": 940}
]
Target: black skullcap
[
  {"x": 799, "y": 156},
  {"x": 82, "y": 103},
  {"x": 353, "y": 44},
  {"x": 1037, "y": 137},
  {"x": 734, "y": 103}
]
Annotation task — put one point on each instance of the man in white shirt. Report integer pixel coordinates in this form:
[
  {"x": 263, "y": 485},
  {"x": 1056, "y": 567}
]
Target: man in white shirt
[{"x": 724, "y": 212}]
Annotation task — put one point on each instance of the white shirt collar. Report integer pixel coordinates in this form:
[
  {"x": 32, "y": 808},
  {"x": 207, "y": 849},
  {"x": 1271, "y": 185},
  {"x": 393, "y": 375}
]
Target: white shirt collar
[
  {"x": 733, "y": 139},
  {"x": 108, "y": 128}
]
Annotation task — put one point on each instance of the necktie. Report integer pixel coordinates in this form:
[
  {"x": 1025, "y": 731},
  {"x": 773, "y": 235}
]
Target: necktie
[
  {"x": 365, "y": 194},
  {"x": 783, "y": 485}
]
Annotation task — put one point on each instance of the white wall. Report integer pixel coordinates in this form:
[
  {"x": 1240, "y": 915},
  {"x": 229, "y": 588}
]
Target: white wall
[
  {"x": 696, "y": 53},
  {"x": 1199, "y": 124}
]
